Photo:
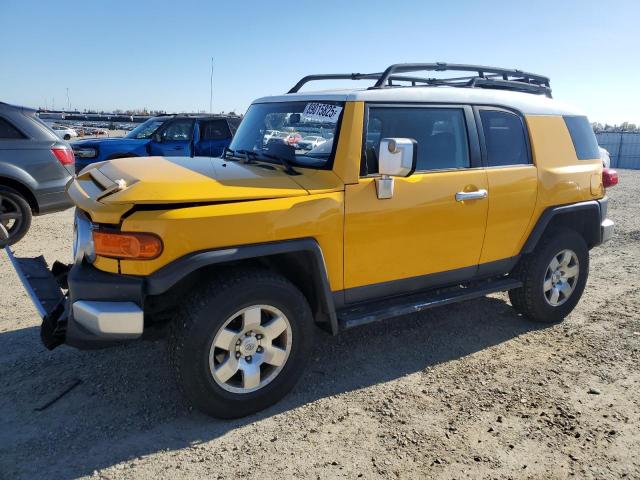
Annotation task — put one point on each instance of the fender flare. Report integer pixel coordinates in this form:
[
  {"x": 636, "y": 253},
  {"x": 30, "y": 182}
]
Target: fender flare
[
  {"x": 595, "y": 210},
  {"x": 169, "y": 275}
]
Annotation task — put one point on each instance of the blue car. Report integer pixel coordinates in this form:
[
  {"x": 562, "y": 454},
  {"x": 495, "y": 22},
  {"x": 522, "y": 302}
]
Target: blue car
[{"x": 167, "y": 135}]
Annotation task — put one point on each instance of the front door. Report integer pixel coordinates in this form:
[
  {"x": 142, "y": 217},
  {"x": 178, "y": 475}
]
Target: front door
[
  {"x": 175, "y": 139},
  {"x": 213, "y": 135},
  {"x": 425, "y": 235}
]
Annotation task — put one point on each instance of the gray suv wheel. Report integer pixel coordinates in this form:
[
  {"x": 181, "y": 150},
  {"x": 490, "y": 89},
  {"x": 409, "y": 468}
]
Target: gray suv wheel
[{"x": 15, "y": 216}]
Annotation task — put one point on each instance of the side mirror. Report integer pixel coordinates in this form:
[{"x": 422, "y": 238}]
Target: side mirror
[
  {"x": 398, "y": 158},
  {"x": 157, "y": 138}
]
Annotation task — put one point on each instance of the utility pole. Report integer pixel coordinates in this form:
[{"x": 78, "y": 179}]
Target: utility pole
[
  {"x": 211, "y": 88},
  {"x": 68, "y": 101}
]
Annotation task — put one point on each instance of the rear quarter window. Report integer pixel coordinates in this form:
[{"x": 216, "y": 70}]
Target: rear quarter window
[
  {"x": 8, "y": 131},
  {"x": 582, "y": 136}
]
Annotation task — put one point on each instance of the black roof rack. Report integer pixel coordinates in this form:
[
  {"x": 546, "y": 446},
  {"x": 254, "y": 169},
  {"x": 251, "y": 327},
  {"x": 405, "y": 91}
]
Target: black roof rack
[{"x": 483, "y": 77}]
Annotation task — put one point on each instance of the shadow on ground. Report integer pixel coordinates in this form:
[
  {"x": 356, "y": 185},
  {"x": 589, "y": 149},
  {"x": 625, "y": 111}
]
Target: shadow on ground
[{"x": 127, "y": 404}]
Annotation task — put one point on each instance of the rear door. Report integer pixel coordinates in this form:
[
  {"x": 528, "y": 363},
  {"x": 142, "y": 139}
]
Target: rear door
[
  {"x": 425, "y": 235},
  {"x": 214, "y": 135},
  {"x": 513, "y": 184},
  {"x": 175, "y": 137}
]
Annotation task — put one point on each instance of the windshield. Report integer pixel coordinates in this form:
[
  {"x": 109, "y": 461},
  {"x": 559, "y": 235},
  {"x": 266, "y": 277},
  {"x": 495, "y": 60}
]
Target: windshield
[
  {"x": 267, "y": 128},
  {"x": 146, "y": 129}
]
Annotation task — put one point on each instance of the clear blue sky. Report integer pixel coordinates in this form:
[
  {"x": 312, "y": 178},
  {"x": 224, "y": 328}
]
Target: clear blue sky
[{"x": 134, "y": 54}]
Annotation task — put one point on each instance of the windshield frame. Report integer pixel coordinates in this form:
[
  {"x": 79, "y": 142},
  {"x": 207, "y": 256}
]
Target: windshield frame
[
  {"x": 328, "y": 162},
  {"x": 131, "y": 135}
]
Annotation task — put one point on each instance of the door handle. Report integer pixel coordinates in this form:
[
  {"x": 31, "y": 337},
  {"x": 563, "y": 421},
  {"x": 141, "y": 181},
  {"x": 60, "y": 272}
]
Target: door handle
[{"x": 477, "y": 195}]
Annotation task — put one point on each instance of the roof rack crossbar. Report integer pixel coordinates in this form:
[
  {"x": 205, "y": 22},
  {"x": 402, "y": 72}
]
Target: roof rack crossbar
[
  {"x": 485, "y": 77},
  {"x": 353, "y": 76}
]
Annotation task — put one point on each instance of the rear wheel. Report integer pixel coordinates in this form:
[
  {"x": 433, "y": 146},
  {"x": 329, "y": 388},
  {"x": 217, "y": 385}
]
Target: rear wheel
[
  {"x": 554, "y": 277},
  {"x": 15, "y": 216},
  {"x": 240, "y": 343}
]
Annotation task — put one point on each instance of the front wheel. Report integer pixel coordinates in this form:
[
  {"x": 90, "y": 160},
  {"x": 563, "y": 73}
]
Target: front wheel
[
  {"x": 553, "y": 276},
  {"x": 240, "y": 343}
]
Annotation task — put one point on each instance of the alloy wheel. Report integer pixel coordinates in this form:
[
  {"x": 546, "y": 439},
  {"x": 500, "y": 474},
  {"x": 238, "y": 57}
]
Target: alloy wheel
[
  {"x": 250, "y": 349},
  {"x": 561, "y": 277},
  {"x": 10, "y": 217}
]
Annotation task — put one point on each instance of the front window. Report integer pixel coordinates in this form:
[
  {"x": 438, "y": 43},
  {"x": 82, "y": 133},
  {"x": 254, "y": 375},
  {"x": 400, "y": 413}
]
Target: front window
[
  {"x": 146, "y": 129},
  {"x": 271, "y": 127},
  {"x": 178, "y": 130},
  {"x": 441, "y": 134}
]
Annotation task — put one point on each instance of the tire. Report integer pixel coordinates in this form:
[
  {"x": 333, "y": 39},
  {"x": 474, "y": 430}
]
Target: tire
[
  {"x": 67, "y": 137},
  {"x": 15, "y": 216},
  {"x": 202, "y": 319},
  {"x": 536, "y": 299}
]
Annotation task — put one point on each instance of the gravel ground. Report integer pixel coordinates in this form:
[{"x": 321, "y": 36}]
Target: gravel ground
[{"x": 465, "y": 391}]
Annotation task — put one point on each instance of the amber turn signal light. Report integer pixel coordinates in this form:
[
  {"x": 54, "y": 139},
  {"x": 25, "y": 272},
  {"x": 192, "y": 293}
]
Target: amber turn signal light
[{"x": 127, "y": 245}]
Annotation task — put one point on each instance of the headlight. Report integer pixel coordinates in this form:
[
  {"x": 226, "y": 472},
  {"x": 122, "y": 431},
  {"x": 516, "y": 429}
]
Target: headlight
[
  {"x": 83, "y": 239},
  {"x": 86, "y": 152}
]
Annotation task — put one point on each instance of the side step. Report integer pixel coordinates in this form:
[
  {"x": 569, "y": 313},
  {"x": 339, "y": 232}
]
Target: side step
[{"x": 393, "y": 307}]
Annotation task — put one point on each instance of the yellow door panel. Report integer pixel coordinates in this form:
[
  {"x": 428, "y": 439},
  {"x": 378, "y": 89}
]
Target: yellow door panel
[
  {"x": 512, "y": 198},
  {"x": 421, "y": 230}
]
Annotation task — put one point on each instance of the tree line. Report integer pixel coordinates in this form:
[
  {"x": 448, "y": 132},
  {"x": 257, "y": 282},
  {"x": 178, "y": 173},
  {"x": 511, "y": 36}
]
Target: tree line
[{"x": 623, "y": 127}]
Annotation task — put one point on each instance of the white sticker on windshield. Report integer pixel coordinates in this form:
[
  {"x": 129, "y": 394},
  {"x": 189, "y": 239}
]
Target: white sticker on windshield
[{"x": 321, "y": 112}]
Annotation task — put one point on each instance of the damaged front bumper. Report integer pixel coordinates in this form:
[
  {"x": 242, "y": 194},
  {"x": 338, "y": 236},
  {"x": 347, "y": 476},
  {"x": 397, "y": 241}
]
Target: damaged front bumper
[{"x": 98, "y": 308}]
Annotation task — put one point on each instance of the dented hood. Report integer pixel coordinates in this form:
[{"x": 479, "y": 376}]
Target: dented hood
[{"x": 157, "y": 180}]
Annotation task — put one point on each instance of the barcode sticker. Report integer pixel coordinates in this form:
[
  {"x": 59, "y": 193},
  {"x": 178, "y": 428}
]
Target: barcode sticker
[{"x": 321, "y": 112}]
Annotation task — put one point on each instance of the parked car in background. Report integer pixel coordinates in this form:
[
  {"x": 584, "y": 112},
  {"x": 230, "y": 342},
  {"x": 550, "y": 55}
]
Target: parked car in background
[
  {"x": 310, "y": 142},
  {"x": 604, "y": 156},
  {"x": 167, "y": 135},
  {"x": 293, "y": 138},
  {"x": 65, "y": 133},
  {"x": 269, "y": 134},
  {"x": 275, "y": 137},
  {"x": 35, "y": 167}
]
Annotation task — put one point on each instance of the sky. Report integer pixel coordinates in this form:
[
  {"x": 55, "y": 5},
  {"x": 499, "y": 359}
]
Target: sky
[{"x": 157, "y": 55}]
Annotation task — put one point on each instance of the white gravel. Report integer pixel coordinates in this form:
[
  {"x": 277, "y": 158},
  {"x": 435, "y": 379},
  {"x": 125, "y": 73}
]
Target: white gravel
[{"x": 465, "y": 391}]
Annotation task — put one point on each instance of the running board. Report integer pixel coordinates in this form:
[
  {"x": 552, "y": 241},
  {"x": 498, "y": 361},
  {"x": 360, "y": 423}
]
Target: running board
[{"x": 394, "y": 307}]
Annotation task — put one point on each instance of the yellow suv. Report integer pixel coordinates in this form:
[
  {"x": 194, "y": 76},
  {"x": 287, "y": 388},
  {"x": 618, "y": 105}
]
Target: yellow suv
[{"x": 331, "y": 209}]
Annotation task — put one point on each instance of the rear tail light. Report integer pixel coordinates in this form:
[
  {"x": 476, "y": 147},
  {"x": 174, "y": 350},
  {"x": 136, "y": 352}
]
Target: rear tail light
[
  {"x": 609, "y": 177},
  {"x": 126, "y": 245},
  {"x": 64, "y": 155}
]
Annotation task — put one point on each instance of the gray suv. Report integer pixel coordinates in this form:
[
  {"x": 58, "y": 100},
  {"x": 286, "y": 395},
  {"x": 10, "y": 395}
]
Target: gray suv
[{"x": 35, "y": 167}]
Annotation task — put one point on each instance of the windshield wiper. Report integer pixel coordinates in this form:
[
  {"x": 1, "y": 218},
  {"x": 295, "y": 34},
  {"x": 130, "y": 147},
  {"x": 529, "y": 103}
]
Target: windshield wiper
[
  {"x": 288, "y": 168},
  {"x": 250, "y": 157},
  {"x": 233, "y": 154},
  {"x": 238, "y": 155},
  {"x": 248, "y": 154}
]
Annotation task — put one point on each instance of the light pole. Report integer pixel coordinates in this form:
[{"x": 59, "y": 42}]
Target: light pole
[{"x": 211, "y": 88}]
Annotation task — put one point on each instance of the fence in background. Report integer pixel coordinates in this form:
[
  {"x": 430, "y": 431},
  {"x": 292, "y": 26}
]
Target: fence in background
[{"x": 623, "y": 147}]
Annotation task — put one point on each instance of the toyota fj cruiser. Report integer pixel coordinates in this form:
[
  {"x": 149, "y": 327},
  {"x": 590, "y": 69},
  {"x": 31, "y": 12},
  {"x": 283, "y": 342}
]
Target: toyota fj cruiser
[{"x": 427, "y": 191}]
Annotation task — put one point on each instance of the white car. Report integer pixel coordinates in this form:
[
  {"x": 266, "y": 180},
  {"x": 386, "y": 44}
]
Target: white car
[
  {"x": 269, "y": 134},
  {"x": 310, "y": 142},
  {"x": 604, "y": 156},
  {"x": 65, "y": 133}
]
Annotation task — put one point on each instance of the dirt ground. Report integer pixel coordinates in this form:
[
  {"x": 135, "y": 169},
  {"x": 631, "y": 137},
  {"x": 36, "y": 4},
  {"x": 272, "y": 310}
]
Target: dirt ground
[{"x": 465, "y": 391}]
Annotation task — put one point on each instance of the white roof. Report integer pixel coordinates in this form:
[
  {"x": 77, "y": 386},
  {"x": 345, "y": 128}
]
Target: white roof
[{"x": 526, "y": 103}]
